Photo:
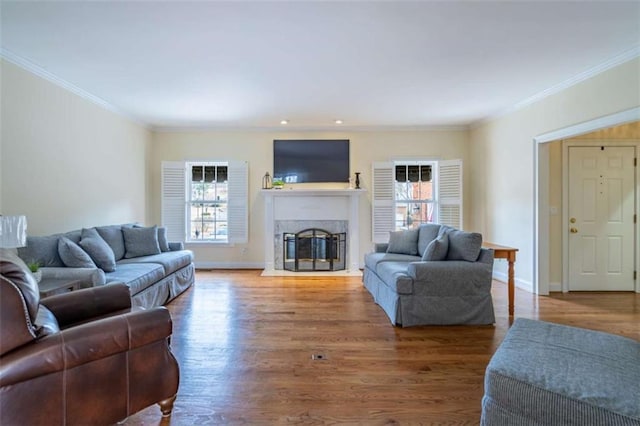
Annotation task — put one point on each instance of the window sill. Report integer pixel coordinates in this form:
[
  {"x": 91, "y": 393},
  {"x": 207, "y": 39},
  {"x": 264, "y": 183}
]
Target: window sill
[{"x": 209, "y": 243}]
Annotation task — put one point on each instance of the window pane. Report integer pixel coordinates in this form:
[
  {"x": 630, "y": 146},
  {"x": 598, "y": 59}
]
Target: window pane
[
  {"x": 412, "y": 215},
  {"x": 209, "y": 173},
  {"x": 401, "y": 173},
  {"x": 222, "y": 174},
  {"x": 196, "y": 173},
  {"x": 197, "y": 191},
  {"x": 425, "y": 173},
  {"x": 413, "y": 173}
]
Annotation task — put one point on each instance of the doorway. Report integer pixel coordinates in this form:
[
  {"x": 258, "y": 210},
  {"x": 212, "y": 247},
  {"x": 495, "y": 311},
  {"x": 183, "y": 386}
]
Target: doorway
[{"x": 600, "y": 217}]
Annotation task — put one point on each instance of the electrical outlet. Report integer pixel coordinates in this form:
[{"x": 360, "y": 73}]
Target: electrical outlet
[{"x": 244, "y": 250}]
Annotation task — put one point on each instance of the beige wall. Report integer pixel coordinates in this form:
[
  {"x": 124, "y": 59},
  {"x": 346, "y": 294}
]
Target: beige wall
[
  {"x": 502, "y": 149},
  {"x": 256, "y": 148},
  {"x": 67, "y": 162}
]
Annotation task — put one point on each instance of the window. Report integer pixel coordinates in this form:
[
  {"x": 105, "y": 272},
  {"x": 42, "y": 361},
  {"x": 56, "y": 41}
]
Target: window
[
  {"x": 414, "y": 195},
  {"x": 406, "y": 194},
  {"x": 205, "y": 201},
  {"x": 208, "y": 193}
]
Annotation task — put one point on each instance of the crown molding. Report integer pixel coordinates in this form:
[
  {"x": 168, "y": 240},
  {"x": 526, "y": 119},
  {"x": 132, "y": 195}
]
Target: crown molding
[
  {"x": 288, "y": 129},
  {"x": 52, "y": 78},
  {"x": 620, "y": 59}
]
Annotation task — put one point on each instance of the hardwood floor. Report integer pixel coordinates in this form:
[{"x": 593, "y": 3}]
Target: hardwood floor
[{"x": 245, "y": 346}]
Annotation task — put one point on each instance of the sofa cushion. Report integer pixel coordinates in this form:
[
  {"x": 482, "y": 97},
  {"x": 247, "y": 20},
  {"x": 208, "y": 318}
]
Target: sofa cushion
[
  {"x": 464, "y": 245},
  {"x": 170, "y": 261},
  {"x": 98, "y": 249},
  {"x": 140, "y": 241},
  {"x": 427, "y": 232},
  {"x": 437, "y": 249},
  {"x": 72, "y": 254},
  {"x": 112, "y": 235},
  {"x": 371, "y": 260},
  {"x": 43, "y": 250},
  {"x": 403, "y": 242},
  {"x": 138, "y": 276},
  {"x": 394, "y": 275}
]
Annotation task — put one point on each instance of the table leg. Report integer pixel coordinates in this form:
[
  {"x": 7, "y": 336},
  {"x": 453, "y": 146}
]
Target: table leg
[{"x": 511, "y": 286}]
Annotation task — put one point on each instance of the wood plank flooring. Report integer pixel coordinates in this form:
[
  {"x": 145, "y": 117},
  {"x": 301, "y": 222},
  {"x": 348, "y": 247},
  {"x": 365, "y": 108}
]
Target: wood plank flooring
[{"x": 245, "y": 345}]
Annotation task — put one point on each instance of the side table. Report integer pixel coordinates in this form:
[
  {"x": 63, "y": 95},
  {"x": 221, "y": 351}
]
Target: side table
[{"x": 52, "y": 286}]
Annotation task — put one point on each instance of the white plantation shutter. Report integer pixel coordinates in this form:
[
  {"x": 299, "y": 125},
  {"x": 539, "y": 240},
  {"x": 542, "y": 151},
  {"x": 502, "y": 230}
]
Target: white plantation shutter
[
  {"x": 173, "y": 203},
  {"x": 238, "y": 210},
  {"x": 383, "y": 195},
  {"x": 450, "y": 193}
]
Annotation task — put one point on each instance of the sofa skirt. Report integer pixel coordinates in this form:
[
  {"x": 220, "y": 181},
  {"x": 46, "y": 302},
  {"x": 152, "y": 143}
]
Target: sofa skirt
[{"x": 165, "y": 290}]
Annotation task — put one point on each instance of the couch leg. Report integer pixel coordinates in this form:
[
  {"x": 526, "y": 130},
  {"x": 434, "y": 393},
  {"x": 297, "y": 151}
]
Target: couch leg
[{"x": 166, "y": 406}]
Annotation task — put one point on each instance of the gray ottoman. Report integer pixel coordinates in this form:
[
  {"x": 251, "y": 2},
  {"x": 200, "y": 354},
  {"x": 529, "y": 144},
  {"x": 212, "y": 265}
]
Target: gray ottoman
[{"x": 550, "y": 374}]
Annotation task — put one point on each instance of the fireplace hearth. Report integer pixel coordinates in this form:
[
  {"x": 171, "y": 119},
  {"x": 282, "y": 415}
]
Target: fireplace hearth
[{"x": 314, "y": 249}]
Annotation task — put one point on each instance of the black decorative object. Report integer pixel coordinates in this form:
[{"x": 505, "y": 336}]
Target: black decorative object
[
  {"x": 357, "y": 180},
  {"x": 314, "y": 249}
]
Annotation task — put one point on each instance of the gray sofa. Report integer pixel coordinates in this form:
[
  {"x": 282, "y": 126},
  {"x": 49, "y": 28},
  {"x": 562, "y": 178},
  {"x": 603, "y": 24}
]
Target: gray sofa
[
  {"x": 155, "y": 270},
  {"x": 432, "y": 275}
]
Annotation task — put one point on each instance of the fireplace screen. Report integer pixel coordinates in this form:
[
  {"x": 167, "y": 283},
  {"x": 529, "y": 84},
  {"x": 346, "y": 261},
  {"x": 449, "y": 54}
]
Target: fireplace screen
[{"x": 314, "y": 250}]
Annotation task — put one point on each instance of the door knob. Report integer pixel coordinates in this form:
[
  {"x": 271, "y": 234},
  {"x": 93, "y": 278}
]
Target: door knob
[
  {"x": 573, "y": 230},
  {"x": 572, "y": 220}
]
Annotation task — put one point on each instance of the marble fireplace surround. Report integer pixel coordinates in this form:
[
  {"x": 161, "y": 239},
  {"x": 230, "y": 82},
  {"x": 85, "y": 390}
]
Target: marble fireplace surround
[{"x": 292, "y": 210}]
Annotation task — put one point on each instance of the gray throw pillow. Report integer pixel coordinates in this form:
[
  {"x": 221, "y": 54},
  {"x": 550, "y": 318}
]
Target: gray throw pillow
[
  {"x": 437, "y": 249},
  {"x": 427, "y": 232},
  {"x": 403, "y": 242},
  {"x": 464, "y": 245},
  {"x": 140, "y": 241},
  {"x": 72, "y": 255},
  {"x": 112, "y": 235},
  {"x": 162, "y": 239},
  {"x": 98, "y": 249}
]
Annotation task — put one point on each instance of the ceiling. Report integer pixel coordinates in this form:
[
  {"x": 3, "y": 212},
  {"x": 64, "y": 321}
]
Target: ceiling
[{"x": 238, "y": 64}]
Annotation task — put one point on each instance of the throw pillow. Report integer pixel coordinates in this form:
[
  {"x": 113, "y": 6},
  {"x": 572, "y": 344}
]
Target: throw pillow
[
  {"x": 427, "y": 233},
  {"x": 162, "y": 239},
  {"x": 98, "y": 249},
  {"x": 464, "y": 245},
  {"x": 437, "y": 249},
  {"x": 112, "y": 235},
  {"x": 403, "y": 242},
  {"x": 72, "y": 255},
  {"x": 140, "y": 241}
]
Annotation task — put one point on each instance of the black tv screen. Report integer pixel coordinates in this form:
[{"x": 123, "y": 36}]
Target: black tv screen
[{"x": 305, "y": 161}]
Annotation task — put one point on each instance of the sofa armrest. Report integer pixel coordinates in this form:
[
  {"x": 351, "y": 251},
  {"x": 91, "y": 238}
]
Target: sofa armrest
[
  {"x": 83, "y": 305},
  {"x": 175, "y": 246},
  {"x": 90, "y": 277},
  {"x": 86, "y": 343},
  {"x": 381, "y": 247}
]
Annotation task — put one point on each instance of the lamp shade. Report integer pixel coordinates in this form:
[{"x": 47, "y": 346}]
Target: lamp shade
[{"x": 13, "y": 231}]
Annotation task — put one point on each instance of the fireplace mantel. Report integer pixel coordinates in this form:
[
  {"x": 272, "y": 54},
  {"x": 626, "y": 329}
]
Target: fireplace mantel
[{"x": 312, "y": 204}]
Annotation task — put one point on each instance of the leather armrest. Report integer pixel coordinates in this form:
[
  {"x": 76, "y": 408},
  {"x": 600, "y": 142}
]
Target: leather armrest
[
  {"x": 86, "y": 304},
  {"x": 85, "y": 343}
]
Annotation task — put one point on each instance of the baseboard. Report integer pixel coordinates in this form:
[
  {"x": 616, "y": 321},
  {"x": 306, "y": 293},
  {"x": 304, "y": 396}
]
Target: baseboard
[
  {"x": 522, "y": 284},
  {"x": 283, "y": 273},
  {"x": 556, "y": 287},
  {"x": 229, "y": 265}
]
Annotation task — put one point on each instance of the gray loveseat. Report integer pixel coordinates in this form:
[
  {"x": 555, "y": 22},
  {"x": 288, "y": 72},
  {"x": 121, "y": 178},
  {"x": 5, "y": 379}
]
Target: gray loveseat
[
  {"x": 155, "y": 270},
  {"x": 432, "y": 275}
]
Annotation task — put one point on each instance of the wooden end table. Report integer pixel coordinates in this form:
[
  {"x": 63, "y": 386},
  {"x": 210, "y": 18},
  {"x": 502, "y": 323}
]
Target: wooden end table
[
  {"x": 52, "y": 286},
  {"x": 509, "y": 254}
]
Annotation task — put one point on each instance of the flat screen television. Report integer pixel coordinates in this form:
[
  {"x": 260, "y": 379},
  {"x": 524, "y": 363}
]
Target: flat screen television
[{"x": 311, "y": 160}]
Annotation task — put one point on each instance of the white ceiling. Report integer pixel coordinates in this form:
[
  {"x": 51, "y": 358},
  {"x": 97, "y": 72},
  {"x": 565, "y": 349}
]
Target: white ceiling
[{"x": 244, "y": 64}]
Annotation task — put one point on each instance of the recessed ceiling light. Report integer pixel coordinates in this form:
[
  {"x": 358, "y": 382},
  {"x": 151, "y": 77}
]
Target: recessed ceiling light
[
  {"x": 338, "y": 121},
  {"x": 284, "y": 121}
]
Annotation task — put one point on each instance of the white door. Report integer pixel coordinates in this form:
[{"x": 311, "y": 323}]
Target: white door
[{"x": 601, "y": 218}]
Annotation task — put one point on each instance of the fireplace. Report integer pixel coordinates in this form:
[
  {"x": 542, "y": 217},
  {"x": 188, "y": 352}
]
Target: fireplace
[
  {"x": 314, "y": 249},
  {"x": 290, "y": 211}
]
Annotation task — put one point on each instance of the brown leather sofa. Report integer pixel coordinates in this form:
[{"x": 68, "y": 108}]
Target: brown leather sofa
[{"x": 84, "y": 357}]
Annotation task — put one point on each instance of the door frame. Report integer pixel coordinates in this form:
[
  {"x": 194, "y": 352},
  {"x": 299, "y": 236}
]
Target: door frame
[
  {"x": 541, "y": 188},
  {"x": 565, "y": 198}
]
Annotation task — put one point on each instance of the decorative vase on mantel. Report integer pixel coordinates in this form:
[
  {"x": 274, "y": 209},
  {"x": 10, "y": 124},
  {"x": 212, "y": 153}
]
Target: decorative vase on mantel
[{"x": 357, "y": 180}]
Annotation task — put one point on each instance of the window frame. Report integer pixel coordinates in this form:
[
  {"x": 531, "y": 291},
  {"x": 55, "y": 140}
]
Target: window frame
[{"x": 191, "y": 202}]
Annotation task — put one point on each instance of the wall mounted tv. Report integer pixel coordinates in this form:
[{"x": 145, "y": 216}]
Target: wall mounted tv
[{"x": 305, "y": 161}]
